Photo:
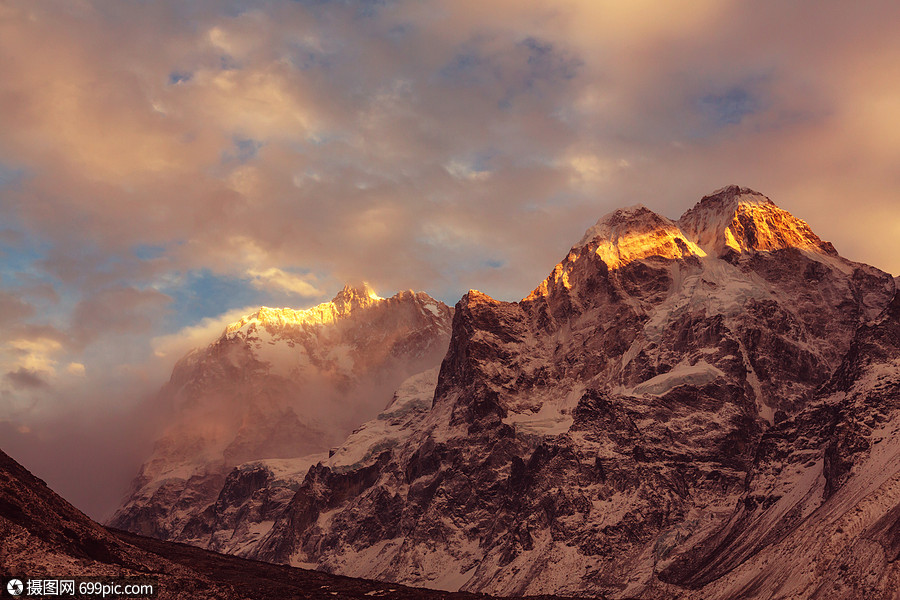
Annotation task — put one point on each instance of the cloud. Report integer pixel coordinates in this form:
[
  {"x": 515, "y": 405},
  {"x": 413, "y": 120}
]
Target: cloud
[
  {"x": 13, "y": 308},
  {"x": 156, "y": 154},
  {"x": 75, "y": 368},
  {"x": 175, "y": 345},
  {"x": 25, "y": 379},
  {"x": 35, "y": 355},
  {"x": 117, "y": 310},
  {"x": 370, "y": 115},
  {"x": 586, "y": 168},
  {"x": 289, "y": 282},
  {"x": 471, "y": 172}
]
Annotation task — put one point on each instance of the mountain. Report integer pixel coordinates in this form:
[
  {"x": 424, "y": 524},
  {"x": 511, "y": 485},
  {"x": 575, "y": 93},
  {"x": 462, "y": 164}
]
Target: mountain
[
  {"x": 700, "y": 408},
  {"x": 43, "y": 536},
  {"x": 680, "y": 409},
  {"x": 277, "y": 385}
]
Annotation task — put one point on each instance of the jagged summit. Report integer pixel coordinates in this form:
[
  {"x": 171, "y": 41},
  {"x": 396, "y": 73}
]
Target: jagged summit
[
  {"x": 350, "y": 298},
  {"x": 477, "y": 297},
  {"x": 736, "y": 193},
  {"x": 636, "y": 232},
  {"x": 617, "y": 239},
  {"x": 356, "y": 294},
  {"x": 622, "y": 220},
  {"x": 731, "y": 219},
  {"x": 739, "y": 219}
]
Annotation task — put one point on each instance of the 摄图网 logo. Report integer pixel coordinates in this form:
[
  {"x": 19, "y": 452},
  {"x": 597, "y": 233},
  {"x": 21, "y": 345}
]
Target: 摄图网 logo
[{"x": 15, "y": 587}]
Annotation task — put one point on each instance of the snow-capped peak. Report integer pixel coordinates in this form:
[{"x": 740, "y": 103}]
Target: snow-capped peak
[
  {"x": 739, "y": 219},
  {"x": 622, "y": 220},
  {"x": 351, "y": 298},
  {"x": 636, "y": 232},
  {"x": 361, "y": 293}
]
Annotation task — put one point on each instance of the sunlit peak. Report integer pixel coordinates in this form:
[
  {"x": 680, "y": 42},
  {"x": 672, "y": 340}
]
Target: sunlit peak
[
  {"x": 350, "y": 298},
  {"x": 739, "y": 219},
  {"x": 637, "y": 232}
]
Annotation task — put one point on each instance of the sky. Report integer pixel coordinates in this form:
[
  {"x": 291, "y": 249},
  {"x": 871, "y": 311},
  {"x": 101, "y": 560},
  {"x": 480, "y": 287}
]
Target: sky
[{"x": 167, "y": 166}]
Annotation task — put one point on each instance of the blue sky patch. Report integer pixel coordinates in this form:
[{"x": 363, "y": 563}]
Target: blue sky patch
[
  {"x": 203, "y": 294},
  {"x": 546, "y": 63},
  {"x": 730, "y": 107},
  {"x": 19, "y": 251},
  {"x": 243, "y": 150},
  {"x": 530, "y": 66},
  {"x": 148, "y": 251},
  {"x": 10, "y": 175},
  {"x": 176, "y": 77}
]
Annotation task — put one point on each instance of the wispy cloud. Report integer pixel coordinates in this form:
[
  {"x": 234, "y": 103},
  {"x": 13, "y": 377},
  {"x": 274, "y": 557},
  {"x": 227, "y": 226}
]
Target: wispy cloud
[
  {"x": 175, "y": 345},
  {"x": 300, "y": 285}
]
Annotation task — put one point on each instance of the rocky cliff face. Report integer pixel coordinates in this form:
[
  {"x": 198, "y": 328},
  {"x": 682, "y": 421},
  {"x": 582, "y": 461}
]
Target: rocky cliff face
[
  {"x": 597, "y": 436},
  {"x": 819, "y": 515},
  {"x": 278, "y": 385}
]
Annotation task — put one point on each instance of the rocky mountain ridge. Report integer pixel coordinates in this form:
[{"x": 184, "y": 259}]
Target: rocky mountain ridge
[
  {"x": 657, "y": 419},
  {"x": 585, "y": 438}
]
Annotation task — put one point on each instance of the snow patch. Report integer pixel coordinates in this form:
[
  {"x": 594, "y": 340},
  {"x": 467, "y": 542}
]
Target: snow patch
[
  {"x": 287, "y": 469},
  {"x": 553, "y": 417},
  {"x": 698, "y": 375},
  {"x": 410, "y": 404}
]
